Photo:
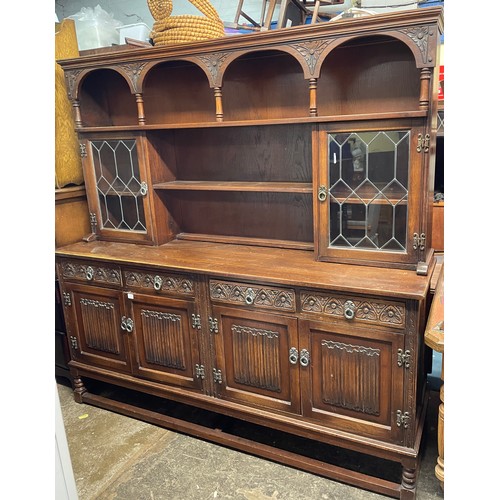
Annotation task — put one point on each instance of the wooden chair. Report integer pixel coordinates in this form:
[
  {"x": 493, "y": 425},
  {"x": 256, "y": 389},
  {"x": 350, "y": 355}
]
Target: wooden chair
[{"x": 291, "y": 12}]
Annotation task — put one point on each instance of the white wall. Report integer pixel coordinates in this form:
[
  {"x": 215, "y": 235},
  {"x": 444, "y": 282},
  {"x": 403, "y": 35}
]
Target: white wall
[{"x": 134, "y": 11}]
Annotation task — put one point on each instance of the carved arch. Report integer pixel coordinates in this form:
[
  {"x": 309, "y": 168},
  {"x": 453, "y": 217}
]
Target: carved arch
[
  {"x": 148, "y": 66},
  {"x": 75, "y": 78},
  {"x": 227, "y": 58},
  {"x": 416, "y": 39}
]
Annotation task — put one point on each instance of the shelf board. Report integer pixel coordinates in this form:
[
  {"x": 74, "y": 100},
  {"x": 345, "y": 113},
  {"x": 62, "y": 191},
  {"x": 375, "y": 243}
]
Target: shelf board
[
  {"x": 234, "y": 240},
  {"x": 269, "y": 187},
  {"x": 252, "y": 123}
]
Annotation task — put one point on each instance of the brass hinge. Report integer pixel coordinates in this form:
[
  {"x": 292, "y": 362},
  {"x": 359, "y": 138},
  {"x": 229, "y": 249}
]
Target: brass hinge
[
  {"x": 93, "y": 222},
  {"x": 214, "y": 325},
  {"x": 217, "y": 376},
  {"x": 196, "y": 321},
  {"x": 83, "y": 150},
  {"x": 199, "y": 371},
  {"x": 66, "y": 298},
  {"x": 73, "y": 342},
  {"x": 419, "y": 241},
  {"x": 402, "y": 419},
  {"x": 423, "y": 143},
  {"x": 404, "y": 358}
]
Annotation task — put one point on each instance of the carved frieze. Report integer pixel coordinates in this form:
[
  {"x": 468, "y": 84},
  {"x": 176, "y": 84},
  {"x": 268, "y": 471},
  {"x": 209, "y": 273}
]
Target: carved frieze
[
  {"x": 91, "y": 272},
  {"x": 160, "y": 282},
  {"x": 392, "y": 314},
  {"x": 268, "y": 297}
]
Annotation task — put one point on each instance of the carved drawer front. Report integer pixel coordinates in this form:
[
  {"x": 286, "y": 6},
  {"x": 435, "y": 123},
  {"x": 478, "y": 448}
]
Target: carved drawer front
[
  {"x": 269, "y": 297},
  {"x": 160, "y": 282},
  {"x": 91, "y": 272},
  {"x": 352, "y": 308}
]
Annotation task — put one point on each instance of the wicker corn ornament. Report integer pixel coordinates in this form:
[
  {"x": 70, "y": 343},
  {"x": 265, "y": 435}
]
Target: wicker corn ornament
[{"x": 170, "y": 30}]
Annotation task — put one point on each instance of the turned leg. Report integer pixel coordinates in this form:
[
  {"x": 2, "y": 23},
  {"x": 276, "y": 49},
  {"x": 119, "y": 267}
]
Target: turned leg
[
  {"x": 409, "y": 482},
  {"x": 439, "y": 469},
  {"x": 79, "y": 389}
]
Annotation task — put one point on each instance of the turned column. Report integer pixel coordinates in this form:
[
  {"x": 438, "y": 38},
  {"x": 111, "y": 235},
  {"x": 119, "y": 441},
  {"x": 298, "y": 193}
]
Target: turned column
[
  {"x": 77, "y": 114},
  {"x": 313, "y": 96},
  {"x": 140, "y": 109},
  {"x": 219, "y": 115},
  {"x": 425, "y": 79}
]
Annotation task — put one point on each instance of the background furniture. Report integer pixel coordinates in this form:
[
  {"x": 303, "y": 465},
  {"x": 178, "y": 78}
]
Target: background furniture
[
  {"x": 434, "y": 338},
  {"x": 257, "y": 256}
]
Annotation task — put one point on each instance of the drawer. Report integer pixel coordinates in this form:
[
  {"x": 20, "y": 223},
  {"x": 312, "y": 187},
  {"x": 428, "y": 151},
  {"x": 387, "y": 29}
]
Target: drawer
[
  {"x": 354, "y": 308},
  {"x": 252, "y": 295},
  {"x": 159, "y": 282},
  {"x": 90, "y": 272}
]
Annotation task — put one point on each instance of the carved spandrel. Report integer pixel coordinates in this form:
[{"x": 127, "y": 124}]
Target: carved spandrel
[
  {"x": 213, "y": 63},
  {"x": 133, "y": 71},
  {"x": 311, "y": 52},
  {"x": 71, "y": 77},
  {"x": 420, "y": 37}
]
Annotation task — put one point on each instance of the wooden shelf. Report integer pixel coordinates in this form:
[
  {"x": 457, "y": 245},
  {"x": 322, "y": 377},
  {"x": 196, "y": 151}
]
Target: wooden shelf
[
  {"x": 253, "y": 123},
  {"x": 270, "y": 187}
]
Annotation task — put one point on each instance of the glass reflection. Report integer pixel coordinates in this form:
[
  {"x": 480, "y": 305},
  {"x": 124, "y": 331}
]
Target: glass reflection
[{"x": 368, "y": 187}]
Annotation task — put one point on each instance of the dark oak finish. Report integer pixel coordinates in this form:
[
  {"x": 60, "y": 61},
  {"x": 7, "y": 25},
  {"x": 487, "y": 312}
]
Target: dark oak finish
[{"x": 210, "y": 277}]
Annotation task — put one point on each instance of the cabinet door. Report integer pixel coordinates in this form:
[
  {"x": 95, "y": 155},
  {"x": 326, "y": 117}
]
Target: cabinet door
[
  {"x": 95, "y": 328},
  {"x": 353, "y": 381},
  {"x": 253, "y": 352},
  {"x": 165, "y": 343},
  {"x": 118, "y": 188},
  {"x": 370, "y": 190}
]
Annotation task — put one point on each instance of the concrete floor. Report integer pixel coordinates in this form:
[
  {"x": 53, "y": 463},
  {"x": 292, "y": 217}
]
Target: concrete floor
[{"x": 119, "y": 458}]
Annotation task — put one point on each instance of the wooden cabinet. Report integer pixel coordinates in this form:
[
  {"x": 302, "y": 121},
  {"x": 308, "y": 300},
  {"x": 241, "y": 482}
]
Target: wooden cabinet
[{"x": 261, "y": 213}]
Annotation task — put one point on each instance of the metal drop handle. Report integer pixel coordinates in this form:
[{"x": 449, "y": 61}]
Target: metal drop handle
[
  {"x": 127, "y": 324},
  {"x": 349, "y": 310},
  {"x": 89, "y": 273},
  {"x": 157, "y": 283},
  {"x": 293, "y": 356},
  {"x": 304, "y": 357},
  {"x": 250, "y": 296},
  {"x": 322, "y": 193}
]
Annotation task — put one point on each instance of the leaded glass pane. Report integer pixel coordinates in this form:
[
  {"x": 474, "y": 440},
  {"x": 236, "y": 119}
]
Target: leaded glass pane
[
  {"x": 368, "y": 188},
  {"x": 118, "y": 185}
]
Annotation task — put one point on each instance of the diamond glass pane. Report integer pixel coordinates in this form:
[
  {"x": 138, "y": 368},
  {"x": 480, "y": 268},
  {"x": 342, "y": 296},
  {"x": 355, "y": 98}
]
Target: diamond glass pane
[
  {"x": 368, "y": 188},
  {"x": 118, "y": 185}
]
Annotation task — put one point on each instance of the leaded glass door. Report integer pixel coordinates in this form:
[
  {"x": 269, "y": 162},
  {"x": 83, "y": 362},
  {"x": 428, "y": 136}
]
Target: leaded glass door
[
  {"x": 368, "y": 195},
  {"x": 118, "y": 198}
]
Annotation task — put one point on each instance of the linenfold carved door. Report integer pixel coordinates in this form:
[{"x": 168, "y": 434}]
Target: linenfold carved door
[
  {"x": 353, "y": 381},
  {"x": 166, "y": 345},
  {"x": 95, "y": 333},
  {"x": 253, "y": 366}
]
